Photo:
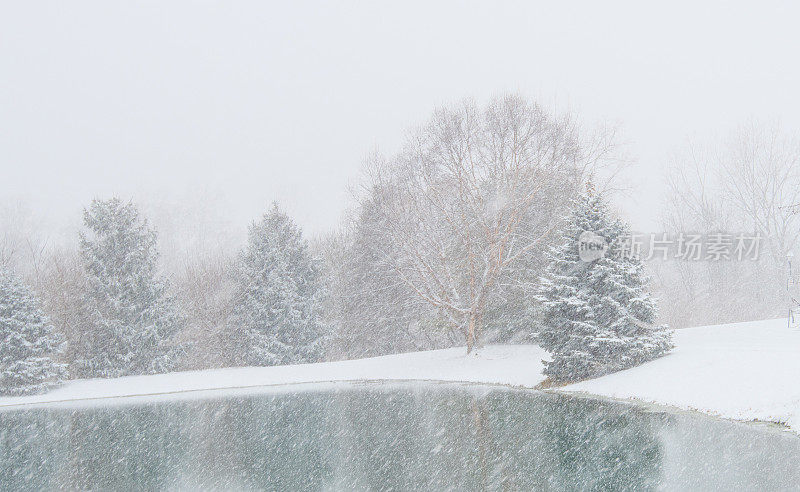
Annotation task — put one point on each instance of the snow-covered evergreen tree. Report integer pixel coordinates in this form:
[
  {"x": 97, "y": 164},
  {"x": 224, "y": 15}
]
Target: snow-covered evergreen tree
[
  {"x": 598, "y": 316},
  {"x": 134, "y": 317},
  {"x": 275, "y": 320},
  {"x": 29, "y": 345}
]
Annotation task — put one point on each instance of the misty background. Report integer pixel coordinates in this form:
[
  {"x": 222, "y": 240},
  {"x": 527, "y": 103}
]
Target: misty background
[
  {"x": 234, "y": 105},
  {"x": 205, "y": 113}
]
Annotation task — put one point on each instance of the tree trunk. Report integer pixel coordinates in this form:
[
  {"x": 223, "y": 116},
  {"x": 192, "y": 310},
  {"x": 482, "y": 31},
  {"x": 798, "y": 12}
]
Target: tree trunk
[{"x": 472, "y": 333}]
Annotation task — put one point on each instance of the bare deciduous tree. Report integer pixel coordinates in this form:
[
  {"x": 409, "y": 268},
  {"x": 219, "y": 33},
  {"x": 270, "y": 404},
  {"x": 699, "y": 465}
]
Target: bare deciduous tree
[
  {"x": 205, "y": 291},
  {"x": 61, "y": 281},
  {"x": 760, "y": 176},
  {"x": 745, "y": 185},
  {"x": 472, "y": 192}
]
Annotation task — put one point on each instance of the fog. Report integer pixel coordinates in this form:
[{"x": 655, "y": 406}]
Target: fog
[{"x": 253, "y": 101}]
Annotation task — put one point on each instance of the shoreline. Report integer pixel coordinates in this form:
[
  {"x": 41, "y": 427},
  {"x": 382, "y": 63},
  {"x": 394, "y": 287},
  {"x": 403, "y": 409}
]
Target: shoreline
[
  {"x": 744, "y": 372},
  {"x": 186, "y": 395}
]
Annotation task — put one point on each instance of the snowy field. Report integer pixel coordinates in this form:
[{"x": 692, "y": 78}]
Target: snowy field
[{"x": 746, "y": 371}]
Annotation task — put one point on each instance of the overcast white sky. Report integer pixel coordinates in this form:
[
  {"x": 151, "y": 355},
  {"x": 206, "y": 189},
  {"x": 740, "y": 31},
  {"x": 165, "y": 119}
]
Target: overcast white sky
[{"x": 261, "y": 101}]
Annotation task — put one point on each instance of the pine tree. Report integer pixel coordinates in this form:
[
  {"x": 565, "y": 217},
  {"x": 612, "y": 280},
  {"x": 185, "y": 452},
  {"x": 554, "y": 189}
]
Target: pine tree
[
  {"x": 275, "y": 318},
  {"x": 598, "y": 317},
  {"x": 134, "y": 317},
  {"x": 29, "y": 345}
]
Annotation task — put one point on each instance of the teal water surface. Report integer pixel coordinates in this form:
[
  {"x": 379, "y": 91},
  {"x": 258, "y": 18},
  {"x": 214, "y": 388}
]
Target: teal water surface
[{"x": 396, "y": 437}]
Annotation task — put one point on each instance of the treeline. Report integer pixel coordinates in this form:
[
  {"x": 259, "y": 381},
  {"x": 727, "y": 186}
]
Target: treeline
[
  {"x": 109, "y": 311},
  {"x": 447, "y": 245}
]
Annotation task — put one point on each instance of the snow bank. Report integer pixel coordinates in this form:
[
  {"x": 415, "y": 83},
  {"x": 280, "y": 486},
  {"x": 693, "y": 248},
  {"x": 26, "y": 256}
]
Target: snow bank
[
  {"x": 746, "y": 371},
  {"x": 517, "y": 365}
]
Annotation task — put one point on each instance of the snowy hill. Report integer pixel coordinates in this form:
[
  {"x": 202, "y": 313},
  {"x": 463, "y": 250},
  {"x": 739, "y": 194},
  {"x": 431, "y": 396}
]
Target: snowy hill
[{"x": 742, "y": 371}]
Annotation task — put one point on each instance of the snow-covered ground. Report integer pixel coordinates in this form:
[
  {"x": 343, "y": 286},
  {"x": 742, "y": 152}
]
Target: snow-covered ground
[
  {"x": 746, "y": 371},
  {"x": 742, "y": 371},
  {"x": 517, "y": 365}
]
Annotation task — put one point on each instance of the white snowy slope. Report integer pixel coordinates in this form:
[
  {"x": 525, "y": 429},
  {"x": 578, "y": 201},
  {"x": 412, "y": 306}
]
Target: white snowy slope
[
  {"x": 747, "y": 371},
  {"x": 517, "y": 365}
]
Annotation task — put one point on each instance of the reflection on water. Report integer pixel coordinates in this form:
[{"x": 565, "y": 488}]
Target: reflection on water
[{"x": 401, "y": 437}]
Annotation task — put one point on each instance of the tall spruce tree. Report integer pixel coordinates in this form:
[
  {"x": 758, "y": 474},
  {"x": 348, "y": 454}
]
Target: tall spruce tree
[
  {"x": 134, "y": 317},
  {"x": 275, "y": 319},
  {"x": 597, "y": 315},
  {"x": 29, "y": 345}
]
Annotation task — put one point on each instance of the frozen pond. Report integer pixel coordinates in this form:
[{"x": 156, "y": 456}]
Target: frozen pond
[{"x": 400, "y": 437}]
